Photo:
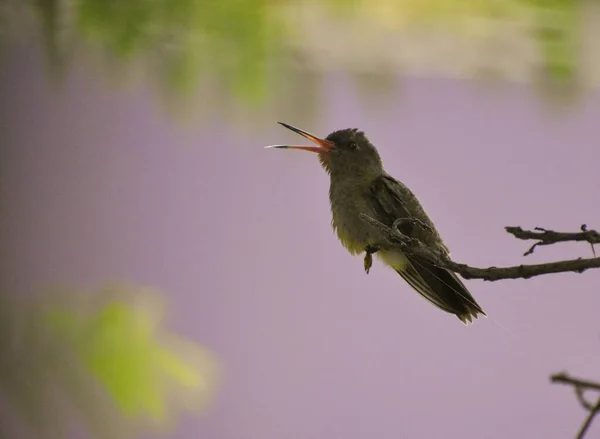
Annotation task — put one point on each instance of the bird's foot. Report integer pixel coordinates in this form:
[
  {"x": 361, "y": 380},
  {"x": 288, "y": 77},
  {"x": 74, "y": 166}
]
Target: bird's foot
[
  {"x": 369, "y": 250},
  {"x": 368, "y": 262}
]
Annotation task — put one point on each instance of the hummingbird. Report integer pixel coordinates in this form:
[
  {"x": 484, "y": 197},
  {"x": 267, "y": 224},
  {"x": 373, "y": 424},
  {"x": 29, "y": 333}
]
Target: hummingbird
[{"x": 359, "y": 184}]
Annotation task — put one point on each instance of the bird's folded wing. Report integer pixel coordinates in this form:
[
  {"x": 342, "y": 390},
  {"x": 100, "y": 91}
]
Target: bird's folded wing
[{"x": 388, "y": 199}]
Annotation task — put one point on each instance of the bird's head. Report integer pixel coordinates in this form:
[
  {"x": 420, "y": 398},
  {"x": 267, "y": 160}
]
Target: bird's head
[{"x": 345, "y": 152}]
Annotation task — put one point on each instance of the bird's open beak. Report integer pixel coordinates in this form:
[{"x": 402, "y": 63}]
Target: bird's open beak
[{"x": 323, "y": 145}]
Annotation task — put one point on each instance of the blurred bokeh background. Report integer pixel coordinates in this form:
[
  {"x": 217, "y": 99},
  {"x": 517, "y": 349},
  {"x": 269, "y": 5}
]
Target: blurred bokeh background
[{"x": 162, "y": 275}]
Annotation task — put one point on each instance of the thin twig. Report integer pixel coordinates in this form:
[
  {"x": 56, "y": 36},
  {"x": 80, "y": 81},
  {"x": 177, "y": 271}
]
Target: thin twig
[
  {"x": 415, "y": 247},
  {"x": 581, "y": 398},
  {"x": 580, "y": 386},
  {"x": 563, "y": 378},
  {"x": 588, "y": 421},
  {"x": 549, "y": 237}
]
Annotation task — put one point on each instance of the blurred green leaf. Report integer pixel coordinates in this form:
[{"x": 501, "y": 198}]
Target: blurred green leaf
[
  {"x": 237, "y": 43},
  {"x": 558, "y": 30},
  {"x": 116, "y": 345},
  {"x": 186, "y": 38}
]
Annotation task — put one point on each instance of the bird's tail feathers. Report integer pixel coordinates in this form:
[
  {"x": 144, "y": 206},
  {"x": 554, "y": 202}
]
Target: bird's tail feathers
[{"x": 441, "y": 288}]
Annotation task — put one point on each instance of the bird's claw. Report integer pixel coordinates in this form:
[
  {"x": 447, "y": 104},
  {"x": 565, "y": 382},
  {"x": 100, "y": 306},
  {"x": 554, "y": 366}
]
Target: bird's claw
[
  {"x": 369, "y": 250},
  {"x": 368, "y": 262}
]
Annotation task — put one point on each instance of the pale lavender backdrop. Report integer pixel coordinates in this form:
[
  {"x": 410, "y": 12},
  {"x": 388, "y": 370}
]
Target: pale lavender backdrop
[{"x": 99, "y": 184}]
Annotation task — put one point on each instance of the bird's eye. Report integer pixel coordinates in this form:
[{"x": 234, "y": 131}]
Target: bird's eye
[{"x": 352, "y": 145}]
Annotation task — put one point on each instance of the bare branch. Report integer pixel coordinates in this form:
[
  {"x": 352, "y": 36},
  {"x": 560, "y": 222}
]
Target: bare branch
[
  {"x": 415, "y": 247},
  {"x": 588, "y": 421},
  {"x": 579, "y": 392},
  {"x": 548, "y": 237},
  {"x": 563, "y": 378},
  {"x": 580, "y": 386}
]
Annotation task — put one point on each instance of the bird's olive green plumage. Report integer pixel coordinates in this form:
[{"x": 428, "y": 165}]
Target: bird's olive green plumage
[{"x": 359, "y": 184}]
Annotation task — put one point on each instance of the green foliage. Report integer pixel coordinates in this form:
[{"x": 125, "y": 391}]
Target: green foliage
[
  {"x": 230, "y": 38},
  {"x": 115, "y": 346},
  {"x": 237, "y": 42},
  {"x": 558, "y": 37}
]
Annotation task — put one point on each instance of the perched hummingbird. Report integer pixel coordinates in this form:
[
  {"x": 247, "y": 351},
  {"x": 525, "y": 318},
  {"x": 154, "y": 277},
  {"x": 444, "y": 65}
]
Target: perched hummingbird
[{"x": 359, "y": 184}]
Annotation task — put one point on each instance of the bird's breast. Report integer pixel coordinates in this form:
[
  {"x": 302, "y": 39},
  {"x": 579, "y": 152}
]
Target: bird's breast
[{"x": 346, "y": 206}]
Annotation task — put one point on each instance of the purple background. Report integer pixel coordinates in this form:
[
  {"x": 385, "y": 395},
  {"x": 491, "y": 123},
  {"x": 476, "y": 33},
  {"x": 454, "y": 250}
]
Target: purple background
[{"x": 99, "y": 184}]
